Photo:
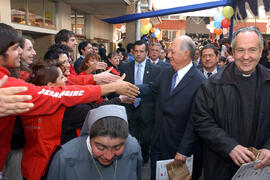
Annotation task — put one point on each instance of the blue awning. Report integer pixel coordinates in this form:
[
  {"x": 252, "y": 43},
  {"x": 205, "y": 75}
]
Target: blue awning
[
  {"x": 236, "y": 4},
  {"x": 163, "y": 12}
]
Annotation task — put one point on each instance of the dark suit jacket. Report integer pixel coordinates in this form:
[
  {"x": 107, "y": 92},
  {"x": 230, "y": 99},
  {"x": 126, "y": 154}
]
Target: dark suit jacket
[
  {"x": 173, "y": 112},
  {"x": 77, "y": 64},
  {"x": 151, "y": 73},
  {"x": 218, "y": 69},
  {"x": 163, "y": 64}
]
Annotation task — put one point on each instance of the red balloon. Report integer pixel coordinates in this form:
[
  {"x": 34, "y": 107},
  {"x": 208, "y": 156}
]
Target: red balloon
[{"x": 225, "y": 23}]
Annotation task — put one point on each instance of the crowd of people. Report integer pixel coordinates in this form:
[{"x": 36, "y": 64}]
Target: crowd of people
[{"x": 104, "y": 115}]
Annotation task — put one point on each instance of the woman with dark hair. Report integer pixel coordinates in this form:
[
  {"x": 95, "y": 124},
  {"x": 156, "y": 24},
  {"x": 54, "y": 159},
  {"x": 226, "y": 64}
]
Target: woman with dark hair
[
  {"x": 44, "y": 134},
  {"x": 113, "y": 62},
  {"x": 91, "y": 64},
  {"x": 103, "y": 151},
  {"x": 27, "y": 57}
]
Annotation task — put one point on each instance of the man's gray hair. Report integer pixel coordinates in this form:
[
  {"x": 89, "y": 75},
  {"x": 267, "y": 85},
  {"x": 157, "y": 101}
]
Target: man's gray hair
[
  {"x": 188, "y": 45},
  {"x": 156, "y": 44},
  {"x": 250, "y": 29}
]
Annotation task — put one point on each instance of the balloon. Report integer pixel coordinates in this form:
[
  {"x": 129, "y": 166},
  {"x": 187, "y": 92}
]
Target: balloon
[
  {"x": 225, "y": 23},
  {"x": 145, "y": 21},
  {"x": 218, "y": 31},
  {"x": 149, "y": 25},
  {"x": 157, "y": 32},
  {"x": 144, "y": 29},
  {"x": 208, "y": 26},
  {"x": 152, "y": 30},
  {"x": 118, "y": 26},
  {"x": 218, "y": 17},
  {"x": 227, "y": 11},
  {"x": 153, "y": 35},
  {"x": 217, "y": 24},
  {"x": 212, "y": 30}
]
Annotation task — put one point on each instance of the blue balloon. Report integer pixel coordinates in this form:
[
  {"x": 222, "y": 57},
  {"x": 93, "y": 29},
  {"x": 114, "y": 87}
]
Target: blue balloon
[
  {"x": 218, "y": 17},
  {"x": 217, "y": 24},
  {"x": 153, "y": 35}
]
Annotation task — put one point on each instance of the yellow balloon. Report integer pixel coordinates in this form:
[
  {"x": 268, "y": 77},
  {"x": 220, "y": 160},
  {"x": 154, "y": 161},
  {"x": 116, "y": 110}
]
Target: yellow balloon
[
  {"x": 144, "y": 30},
  {"x": 227, "y": 11},
  {"x": 149, "y": 25}
]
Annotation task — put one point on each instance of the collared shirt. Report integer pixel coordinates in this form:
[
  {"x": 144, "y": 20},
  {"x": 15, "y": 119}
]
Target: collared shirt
[
  {"x": 182, "y": 72},
  {"x": 205, "y": 72},
  {"x": 82, "y": 56},
  {"x": 154, "y": 62},
  {"x": 142, "y": 69}
]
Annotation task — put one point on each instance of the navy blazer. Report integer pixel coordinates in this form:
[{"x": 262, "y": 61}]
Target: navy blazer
[
  {"x": 173, "y": 130},
  {"x": 151, "y": 73}
]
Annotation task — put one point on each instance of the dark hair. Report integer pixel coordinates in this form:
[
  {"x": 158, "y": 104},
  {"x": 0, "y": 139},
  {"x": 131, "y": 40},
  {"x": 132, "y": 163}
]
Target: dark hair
[
  {"x": 111, "y": 126},
  {"x": 54, "y": 54},
  {"x": 82, "y": 46},
  {"x": 102, "y": 53},
  {"x": 129, "y": 47},
  {"x": 141, "y": 42},
  {"x": 43, "y": 73},
  {"x": 95, "y": 45},
  {"x": 84, "y": 65},
  {"x": 63, "y": 35},
  {"x": 9, "y": 36},
  {"x": 60, "y": 46},
  {"x": 210, "y": 46},
  {"x": 22, "y": 42},
  {"x": 125, "y": 55},
  {"x": 223, "y": 59}
]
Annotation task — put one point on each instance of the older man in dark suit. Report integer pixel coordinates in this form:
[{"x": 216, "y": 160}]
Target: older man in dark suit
[
  {"x": 154, "y": 54},
  {"x": 173, "y": 135},
  {"x": 141, "y": 114}
]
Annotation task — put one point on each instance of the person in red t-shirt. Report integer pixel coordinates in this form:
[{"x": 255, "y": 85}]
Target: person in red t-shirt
[
  {"x": 113, "y": 62},
  {"x": 46, "y": 100},
  {"x": 91, "y": 64}
]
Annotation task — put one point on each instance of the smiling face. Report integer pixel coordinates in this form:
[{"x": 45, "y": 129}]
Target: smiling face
[
  {"x": 63, "y": 59},
  {"x": 114, "y": 60},
  {"x": 246, "y": 52},
  {"x": 13, "y": 57},
  {"x": 178, "y": 58},
  {"x": 71, "y": 43},
  {"x": 28, "y": 52},
  {"x": 105, "y": 148}
]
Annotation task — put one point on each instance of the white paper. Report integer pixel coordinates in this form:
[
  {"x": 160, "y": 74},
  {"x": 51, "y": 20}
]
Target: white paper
[
  {"x": 247, "y": 172},
  {"x": 161, "y": 171}
]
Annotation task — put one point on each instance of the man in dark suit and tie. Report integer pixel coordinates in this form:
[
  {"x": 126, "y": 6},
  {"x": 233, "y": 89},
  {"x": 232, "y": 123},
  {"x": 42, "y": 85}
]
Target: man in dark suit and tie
[
  {"x": 209, "y": 59},
  {"x": 173, "y": 136},
  {"x": 141, "y": 114},
  {"x": 154, "y": 54}
]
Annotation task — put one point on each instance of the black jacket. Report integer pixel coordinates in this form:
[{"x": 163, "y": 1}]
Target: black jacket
[{"x": 216, "y": 120}]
